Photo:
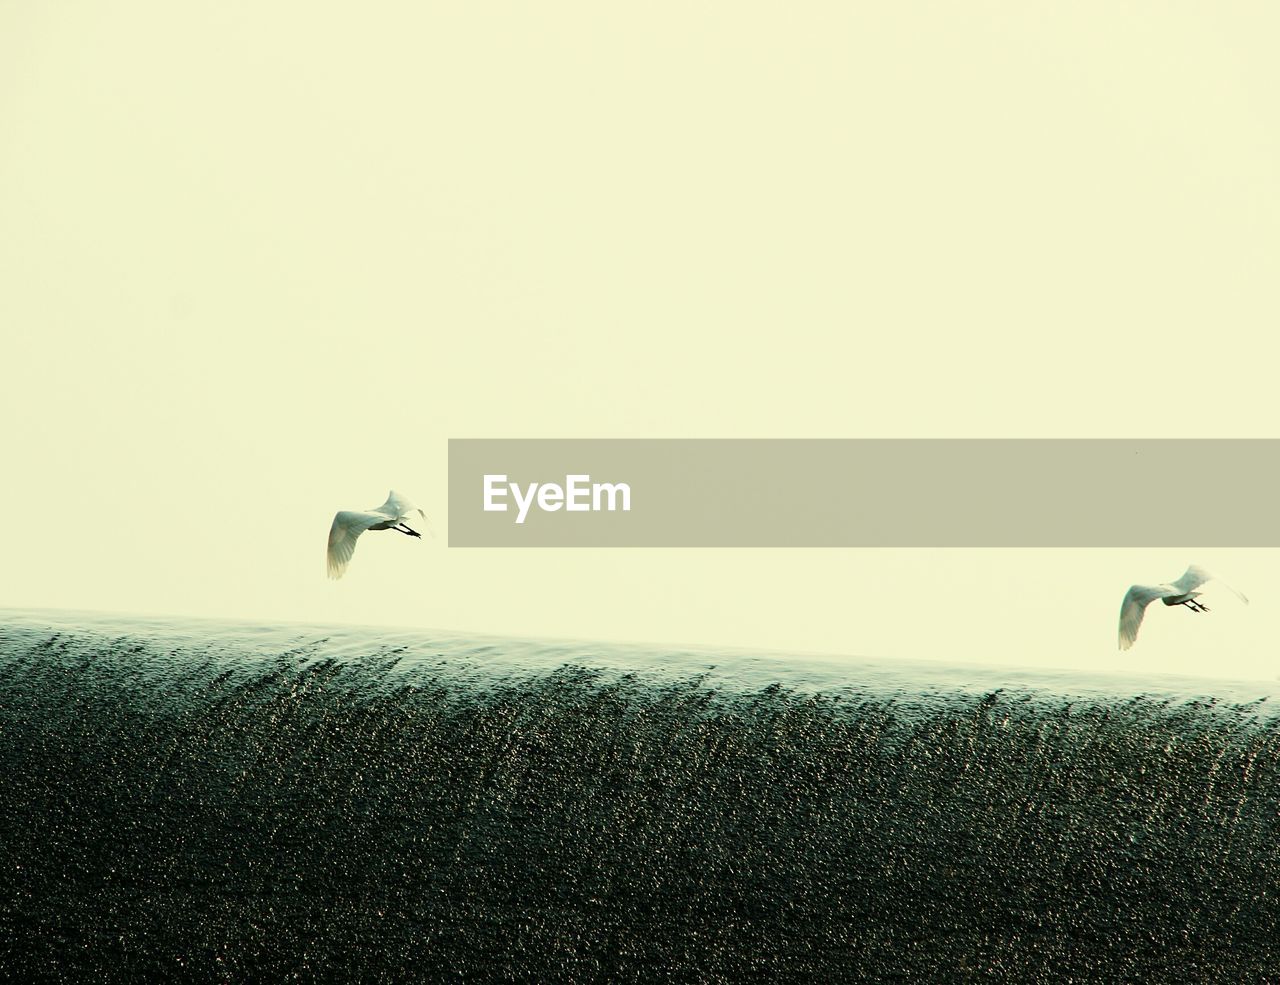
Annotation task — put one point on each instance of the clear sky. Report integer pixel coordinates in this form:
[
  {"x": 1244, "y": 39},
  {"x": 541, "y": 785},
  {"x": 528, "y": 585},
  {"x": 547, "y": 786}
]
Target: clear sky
[{"x": 260, "y": 261}]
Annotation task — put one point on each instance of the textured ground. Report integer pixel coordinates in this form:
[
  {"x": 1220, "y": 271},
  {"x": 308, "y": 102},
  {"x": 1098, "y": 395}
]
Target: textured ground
[{"x": 202, "y": 814}]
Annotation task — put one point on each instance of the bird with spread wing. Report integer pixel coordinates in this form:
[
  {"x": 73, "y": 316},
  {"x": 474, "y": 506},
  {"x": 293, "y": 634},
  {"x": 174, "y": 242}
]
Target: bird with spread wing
[
  {"x": 348, "y": 525},
  {"x": 1180, "y": 592}
]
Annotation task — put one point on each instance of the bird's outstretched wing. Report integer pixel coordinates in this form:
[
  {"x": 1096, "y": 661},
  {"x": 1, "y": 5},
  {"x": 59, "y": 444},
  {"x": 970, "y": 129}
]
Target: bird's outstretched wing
[
  {"x": 347, "y": 526},
  {"x": 1195, "y": 576},
  {"x": 399, "y": 506},
  {"x": 1134, "y": 608}
]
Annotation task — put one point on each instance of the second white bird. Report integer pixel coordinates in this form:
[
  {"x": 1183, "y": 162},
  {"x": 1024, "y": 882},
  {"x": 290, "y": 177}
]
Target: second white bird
[{"x": 1180, "y": 592}]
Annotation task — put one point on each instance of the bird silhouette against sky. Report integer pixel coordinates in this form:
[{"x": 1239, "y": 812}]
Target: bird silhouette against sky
[
  {"x": 1181, "y": 592},
  {"x": 348, "y": 525}
]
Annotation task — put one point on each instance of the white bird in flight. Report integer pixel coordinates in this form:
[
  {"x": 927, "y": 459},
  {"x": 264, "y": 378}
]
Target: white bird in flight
[
  {"x": 1180, "y": 592},
  {"x": 348, "y": 525}
]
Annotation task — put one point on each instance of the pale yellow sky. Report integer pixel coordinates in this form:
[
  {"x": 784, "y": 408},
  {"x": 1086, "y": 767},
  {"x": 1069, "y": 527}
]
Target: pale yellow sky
[{"x": 260, "y": 261}]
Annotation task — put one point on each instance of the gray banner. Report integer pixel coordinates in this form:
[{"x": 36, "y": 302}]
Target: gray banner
[{"x": 864, "y": 493}]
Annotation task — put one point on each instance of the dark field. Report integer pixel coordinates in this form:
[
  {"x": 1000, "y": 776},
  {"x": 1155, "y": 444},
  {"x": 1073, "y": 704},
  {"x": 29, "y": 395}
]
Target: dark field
[{"x": 200, "y": 814}]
